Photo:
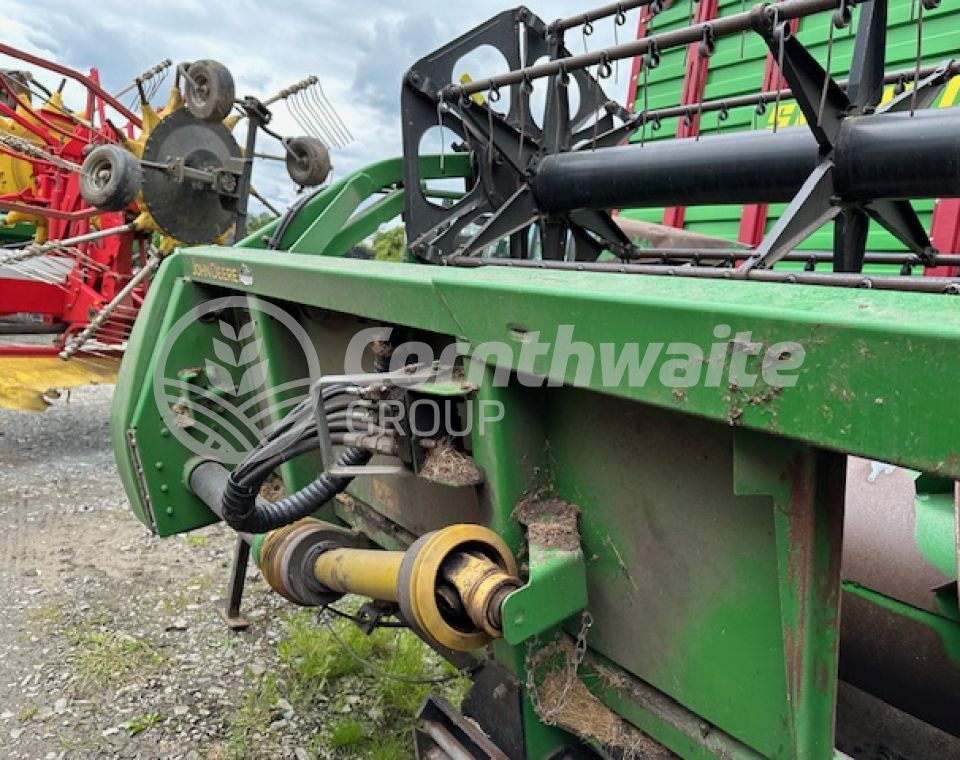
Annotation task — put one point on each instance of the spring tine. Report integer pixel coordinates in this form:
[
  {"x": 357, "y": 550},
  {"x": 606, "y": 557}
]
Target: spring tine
[
  {"x": 309, "y": 96},
  {"x": 646, "y": 102},
  {"x": 336, "y": 123},
  {"x": 919, "y": 60},
  {"x": 333, "y": 137},
  {"x": 309, "y": 117},
  {"x": 160, "y": 70},
  {"x": 316, "y": 115},
  {"x": 297, "y": 116},
  {"x": 780, "y": 54},
  {"x": 77, "y": 342},
  {"x": 342, "y": 124}
]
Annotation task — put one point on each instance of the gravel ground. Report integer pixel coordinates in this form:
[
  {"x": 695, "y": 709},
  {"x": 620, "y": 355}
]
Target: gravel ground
[{"x": 109, "y": 646}]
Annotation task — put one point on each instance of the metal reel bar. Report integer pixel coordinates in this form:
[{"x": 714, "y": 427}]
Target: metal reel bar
[{"x": 723, "y": 27}]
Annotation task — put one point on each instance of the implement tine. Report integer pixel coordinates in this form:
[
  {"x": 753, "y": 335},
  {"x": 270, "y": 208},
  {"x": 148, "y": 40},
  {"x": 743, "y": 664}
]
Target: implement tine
[{"x": 336, "y": 116}]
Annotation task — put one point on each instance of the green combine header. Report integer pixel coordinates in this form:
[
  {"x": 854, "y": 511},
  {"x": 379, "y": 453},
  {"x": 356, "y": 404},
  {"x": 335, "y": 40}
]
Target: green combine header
[{"x": 650, "y": 432}]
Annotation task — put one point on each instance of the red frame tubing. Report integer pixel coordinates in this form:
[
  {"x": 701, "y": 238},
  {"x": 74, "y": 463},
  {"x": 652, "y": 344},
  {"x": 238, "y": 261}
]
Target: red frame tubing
[
  {"x": 753, "y": 221},
  {"x": 99, "y": 269},
  {"x": 694, "y": 87},
  {"x": 945, "y": 234},
  {"x": 87, "y": 82}
]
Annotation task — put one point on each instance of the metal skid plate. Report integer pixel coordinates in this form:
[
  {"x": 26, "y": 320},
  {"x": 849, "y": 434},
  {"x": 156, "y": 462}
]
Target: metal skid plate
[{"x": 189, "y": 211}]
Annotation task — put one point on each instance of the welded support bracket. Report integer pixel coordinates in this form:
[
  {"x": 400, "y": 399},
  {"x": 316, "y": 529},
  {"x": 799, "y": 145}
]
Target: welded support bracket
[
  {"x": 865, "y": 87},
  {"x": 556, "y": 588},
  {"x": 850, "y": 240},
  {"x": 806, "y": 486},
  {"x": 900, "y": 220},
  {"x": 812, "y": 207}
]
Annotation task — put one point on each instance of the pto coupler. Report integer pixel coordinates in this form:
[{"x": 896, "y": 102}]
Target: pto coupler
[{"x": 449, "y": 585}]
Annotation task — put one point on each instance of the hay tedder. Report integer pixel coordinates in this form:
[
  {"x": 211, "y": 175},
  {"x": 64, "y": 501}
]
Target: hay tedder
[
  {"x": 92, "y": 207},
  {"x": 650, "y": 434}
]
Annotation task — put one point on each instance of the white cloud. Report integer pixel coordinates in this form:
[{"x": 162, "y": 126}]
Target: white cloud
[{"x": 359, "y": 50}]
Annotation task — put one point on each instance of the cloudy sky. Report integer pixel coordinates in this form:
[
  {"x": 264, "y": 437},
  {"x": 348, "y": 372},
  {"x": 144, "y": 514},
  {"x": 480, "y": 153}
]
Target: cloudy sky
[{"x": 358, "y": 49}]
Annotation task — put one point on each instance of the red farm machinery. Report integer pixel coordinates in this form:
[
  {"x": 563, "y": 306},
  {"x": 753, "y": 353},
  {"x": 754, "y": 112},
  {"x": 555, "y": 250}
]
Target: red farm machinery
[{"x": 94, "y": 193}]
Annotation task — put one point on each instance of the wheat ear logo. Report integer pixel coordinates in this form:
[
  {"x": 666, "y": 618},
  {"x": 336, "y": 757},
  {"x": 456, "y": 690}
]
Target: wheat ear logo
[{"x": 219, "y": 401}]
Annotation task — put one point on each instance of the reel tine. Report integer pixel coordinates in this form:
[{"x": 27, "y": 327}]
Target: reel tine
[
  {"x": 294, "y": 109},
  {"x": 321, "y": 118},
  {"x": 919, "y": 58},
  {"x": 310, "y": 113},
  {"x": 335, "y": 114},
  {"x": 318, "y": 119},
  {"x": 310, "y": 95},
  {"x": 332, "y": 119}
]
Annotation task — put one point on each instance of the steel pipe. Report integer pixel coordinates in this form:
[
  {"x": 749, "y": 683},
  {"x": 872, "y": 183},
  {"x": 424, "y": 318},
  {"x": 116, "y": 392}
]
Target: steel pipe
[
  {"x": 880, "y": 156},
  {"x": 768, "y": 97},
  {"x": 942, "y": 285},
  {"x": 721, "y": 27},
  {"x": 588, "y": 17}
]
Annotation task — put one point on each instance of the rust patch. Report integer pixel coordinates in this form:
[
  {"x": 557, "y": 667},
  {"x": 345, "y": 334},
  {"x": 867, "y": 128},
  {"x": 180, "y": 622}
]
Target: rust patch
[
  {"x": 273, "y": 489},
  {"x": 551, "y": 523},
  {"x": 386, "y": 495}
]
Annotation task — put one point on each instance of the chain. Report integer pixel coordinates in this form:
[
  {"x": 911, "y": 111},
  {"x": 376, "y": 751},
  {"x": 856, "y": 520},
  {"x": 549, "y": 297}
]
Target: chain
[
  {"x": 375, "y": 669},
  {"x": 549, "y": 717}
]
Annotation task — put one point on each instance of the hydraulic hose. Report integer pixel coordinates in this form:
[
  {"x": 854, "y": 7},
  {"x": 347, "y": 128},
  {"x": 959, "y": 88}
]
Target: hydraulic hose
[{"x": 244, "y": 513}]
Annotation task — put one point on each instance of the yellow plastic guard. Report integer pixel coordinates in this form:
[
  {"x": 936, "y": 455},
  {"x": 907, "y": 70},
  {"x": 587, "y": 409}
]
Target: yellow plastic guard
[{"x": 25, "y": 381}]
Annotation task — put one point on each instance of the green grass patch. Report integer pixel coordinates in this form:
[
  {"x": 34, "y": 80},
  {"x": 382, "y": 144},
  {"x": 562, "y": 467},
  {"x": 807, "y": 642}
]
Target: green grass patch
[
  {"x": 107, "y": 658},
  {"x": 141, "y": 723},
  {"x": 26, "y": 713},
  {"x": 383, "y": 709},
  {"x": 50, "y": 614},
  {"x": 347, "y": 732},
  {"x": 197, "y": 542},
  {"x": 254, "y": 716}
]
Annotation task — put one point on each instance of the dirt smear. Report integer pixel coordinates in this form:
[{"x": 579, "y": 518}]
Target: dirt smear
[
  {"x": 571, "y": 705},
  {"x": 551, "y": 523}
]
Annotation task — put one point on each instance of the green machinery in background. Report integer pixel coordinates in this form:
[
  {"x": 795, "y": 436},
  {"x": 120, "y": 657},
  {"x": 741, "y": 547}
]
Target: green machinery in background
[{"x": 690, "y": 499}]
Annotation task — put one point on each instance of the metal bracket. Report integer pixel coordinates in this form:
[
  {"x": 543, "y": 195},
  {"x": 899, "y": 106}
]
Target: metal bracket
[
  {"x": 556, "y": 588},
  {"x": 812, "y": 207},
  {"x": 410, "y": 376},
  {"x": 927, "y": 90},
  {"x": 865, "y": 86}
]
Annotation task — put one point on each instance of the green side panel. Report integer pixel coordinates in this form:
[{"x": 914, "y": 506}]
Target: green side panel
[
  {"x": 15, "y": 233},
  {"x": 737, "y": 68}
]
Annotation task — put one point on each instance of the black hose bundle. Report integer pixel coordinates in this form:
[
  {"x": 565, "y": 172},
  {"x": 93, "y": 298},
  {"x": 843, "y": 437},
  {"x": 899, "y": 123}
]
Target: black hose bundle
[
  {"x": 239, "y": 505},
  {"x": 242, "y": 512}
]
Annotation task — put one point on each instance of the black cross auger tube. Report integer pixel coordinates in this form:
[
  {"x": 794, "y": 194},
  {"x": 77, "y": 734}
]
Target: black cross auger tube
[{"x": 892, "y": 156}]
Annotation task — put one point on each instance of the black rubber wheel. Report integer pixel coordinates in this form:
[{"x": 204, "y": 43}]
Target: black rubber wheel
[
  {"x": 210, "y": 91},
  {"x": 308, "y": 161},
  {"x": 111, "y": 178}
]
